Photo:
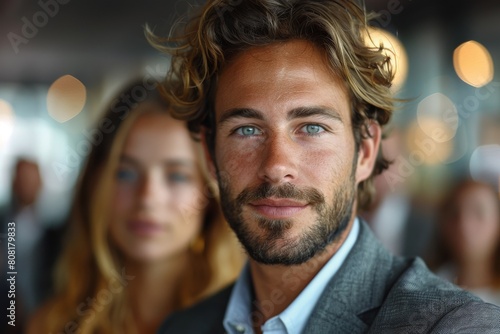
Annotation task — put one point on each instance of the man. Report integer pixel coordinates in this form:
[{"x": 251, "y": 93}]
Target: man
[
  {"x": 36, "y": 246},
  {"x": 290, "y": 103}
]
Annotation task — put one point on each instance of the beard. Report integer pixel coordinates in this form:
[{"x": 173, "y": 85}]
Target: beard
[{"x": 270, "y": 244}]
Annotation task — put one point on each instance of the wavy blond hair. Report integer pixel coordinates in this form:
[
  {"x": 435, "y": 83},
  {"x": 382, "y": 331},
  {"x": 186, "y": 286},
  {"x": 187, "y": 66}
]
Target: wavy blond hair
[
  {"x": 222, "y": 28},
  {"x": 91, "y": 263}
]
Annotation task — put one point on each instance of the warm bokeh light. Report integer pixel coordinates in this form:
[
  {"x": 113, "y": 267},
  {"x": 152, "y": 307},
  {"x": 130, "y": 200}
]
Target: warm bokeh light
[
  {"x": 6, "y": 121},
  {"x": 423, "y": 149},
  {"x": 395, "y": 50},
  {"x": 437, "y": 117},
  {"x": 473, "y": 64},
  {"x": 66, "y": 98}
]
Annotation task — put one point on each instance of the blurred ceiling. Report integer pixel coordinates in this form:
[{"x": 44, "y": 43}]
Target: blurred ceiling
[
  {"x": 83, "y": 38},
  {"x": 88, "y": 38}
]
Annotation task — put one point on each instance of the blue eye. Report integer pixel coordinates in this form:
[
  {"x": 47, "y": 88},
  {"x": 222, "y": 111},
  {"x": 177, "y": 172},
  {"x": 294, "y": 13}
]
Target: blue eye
[
  {"x": 312, "y": 129},
  {"x": 177, "y": 177},
  {"x": 248, "y": 131},
  {"x": 126, "y": 175}
]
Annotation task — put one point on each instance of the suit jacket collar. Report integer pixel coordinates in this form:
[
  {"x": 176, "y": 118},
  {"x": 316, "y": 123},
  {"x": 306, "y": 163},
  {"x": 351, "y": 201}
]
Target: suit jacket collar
[
  {"x": 349, "y": 303},
  {"x": 354, "y": 295}
]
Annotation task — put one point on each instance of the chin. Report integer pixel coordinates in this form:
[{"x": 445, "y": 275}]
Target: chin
[{"x": 148, "y": 254}]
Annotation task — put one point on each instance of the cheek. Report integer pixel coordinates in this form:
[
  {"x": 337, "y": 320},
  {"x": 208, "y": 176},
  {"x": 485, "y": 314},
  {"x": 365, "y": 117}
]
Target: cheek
[
  {"x": 123, "y": 199},
  {"x": 329, "y": 160},
  {"x": 121, "y": 206},
  {"x": 490, "y": 233},
  {"x": 190, "y": 207},
  {"x": 233, "y": 155},
  {"x": 327, "y": 168},
  {"x": 237, "y": 165}
]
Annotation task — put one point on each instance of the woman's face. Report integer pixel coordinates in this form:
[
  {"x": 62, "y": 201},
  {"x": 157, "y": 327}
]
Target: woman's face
[
  {"x": 158, "y": 201},
  {"x": 472, "y": 229}
]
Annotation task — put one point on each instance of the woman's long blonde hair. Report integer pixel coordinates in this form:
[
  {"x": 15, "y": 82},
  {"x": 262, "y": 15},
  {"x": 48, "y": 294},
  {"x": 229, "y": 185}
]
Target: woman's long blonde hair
[{"x": 91, "y": 268}]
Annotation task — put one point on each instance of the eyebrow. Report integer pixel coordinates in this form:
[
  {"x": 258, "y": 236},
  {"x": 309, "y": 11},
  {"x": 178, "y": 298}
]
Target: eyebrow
[
  {"x": 168, "y": 162},
  {"x": 303, "y": 112},
  {"x": 300, "y": 112},
  {"x": 241, "y": 112}
]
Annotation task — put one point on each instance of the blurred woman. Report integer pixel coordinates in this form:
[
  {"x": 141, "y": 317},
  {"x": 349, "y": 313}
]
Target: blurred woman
[
  {"x": 469, "y": 240},
  {"x": 147, "y": 235}
]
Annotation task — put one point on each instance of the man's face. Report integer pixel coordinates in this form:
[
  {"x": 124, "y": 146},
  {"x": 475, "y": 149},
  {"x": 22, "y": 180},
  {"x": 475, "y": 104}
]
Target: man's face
[{"x": 284, "y": 151}]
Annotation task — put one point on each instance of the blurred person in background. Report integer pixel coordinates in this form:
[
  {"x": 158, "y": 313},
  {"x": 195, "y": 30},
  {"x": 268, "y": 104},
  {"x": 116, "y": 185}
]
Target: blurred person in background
[
  {"x": 468, "y": 245},
  {"x": 36, "y": 245},
  {"x": 147, "y": 236}
]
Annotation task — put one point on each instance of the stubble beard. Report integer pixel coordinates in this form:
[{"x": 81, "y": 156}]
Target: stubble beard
[{"x": 271, "y": 245}]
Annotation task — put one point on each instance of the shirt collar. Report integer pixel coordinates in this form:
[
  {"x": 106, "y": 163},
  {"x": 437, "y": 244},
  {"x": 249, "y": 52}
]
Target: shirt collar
[{"x": 238, "y": 318}]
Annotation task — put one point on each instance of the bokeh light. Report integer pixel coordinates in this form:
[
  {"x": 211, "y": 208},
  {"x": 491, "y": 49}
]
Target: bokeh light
[
  {"x": 437, "y": 116},
  {"x": 66, "y": 98},
  {"x": 473, "y": 64},
  {"x": 395, "y": 50},
  {"x": 423, "y": 148}
]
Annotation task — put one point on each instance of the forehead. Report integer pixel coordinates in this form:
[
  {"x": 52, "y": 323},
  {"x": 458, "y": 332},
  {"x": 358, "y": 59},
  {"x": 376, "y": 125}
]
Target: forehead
[
  {"x": 156, "y": 135},
  {"x": 282, "y": 74}
]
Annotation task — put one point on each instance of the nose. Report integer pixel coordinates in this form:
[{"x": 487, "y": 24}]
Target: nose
[
  {"x": 152, "y": 192},
  {"x": 279, "y": 160}
]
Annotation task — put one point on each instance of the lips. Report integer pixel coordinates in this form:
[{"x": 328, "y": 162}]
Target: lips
[
  {"x": 280, "y": 208},
  {"x": 144, "y": 227}
]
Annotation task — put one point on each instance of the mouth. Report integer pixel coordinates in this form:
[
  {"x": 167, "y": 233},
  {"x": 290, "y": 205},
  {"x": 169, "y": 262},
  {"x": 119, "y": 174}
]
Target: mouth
[
  {"x": 144, "y": 228},
  {"x": 278, "y": 208}
]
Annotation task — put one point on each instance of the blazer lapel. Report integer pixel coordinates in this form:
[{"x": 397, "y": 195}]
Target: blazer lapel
[{"x": 353, "y": 296}]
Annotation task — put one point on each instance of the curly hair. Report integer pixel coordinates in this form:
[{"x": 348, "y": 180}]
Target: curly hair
[{"x": 224, "y": 28}]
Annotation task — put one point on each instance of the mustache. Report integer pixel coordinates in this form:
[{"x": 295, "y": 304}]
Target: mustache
[{"x": 287, "y": 190}]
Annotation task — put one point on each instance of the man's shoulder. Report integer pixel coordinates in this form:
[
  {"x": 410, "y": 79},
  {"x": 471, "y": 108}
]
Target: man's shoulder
[
  {"x": 203, "y": 317},
  {"x": 424, "y": 303}
]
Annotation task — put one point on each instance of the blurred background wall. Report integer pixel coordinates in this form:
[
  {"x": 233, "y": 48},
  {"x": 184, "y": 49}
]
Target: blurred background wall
[{"x": 62, "y": 60}]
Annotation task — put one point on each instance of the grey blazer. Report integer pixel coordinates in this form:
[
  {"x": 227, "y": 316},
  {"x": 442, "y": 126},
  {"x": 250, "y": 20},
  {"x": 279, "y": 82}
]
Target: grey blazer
[{"x": 373, "y": 292}]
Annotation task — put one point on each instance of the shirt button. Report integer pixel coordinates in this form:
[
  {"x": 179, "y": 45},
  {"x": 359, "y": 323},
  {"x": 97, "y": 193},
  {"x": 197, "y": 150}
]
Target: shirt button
[{"x": 240, "y": 328}]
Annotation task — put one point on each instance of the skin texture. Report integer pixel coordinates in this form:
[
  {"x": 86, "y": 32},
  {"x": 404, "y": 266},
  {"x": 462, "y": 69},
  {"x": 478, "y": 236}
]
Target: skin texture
[
  {"x": 283, "y": 129},
  {"x": 156, "y": 210}
]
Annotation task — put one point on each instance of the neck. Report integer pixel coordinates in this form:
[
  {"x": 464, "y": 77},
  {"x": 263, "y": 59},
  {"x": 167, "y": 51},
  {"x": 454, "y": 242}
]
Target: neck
[
  {"x": 475, "y": 273},
  {"x": 153, "y": 291},
  {"x": 277, "y": 286}
]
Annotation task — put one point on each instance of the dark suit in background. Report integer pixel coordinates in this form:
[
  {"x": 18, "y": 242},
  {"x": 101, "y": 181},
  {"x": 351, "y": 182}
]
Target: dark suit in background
[{"x": 43, "y": 257}]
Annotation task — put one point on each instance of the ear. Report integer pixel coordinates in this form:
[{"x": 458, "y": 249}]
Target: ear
[
  {"x": 206, "y": 153},
  {"x": 368, "y": 152}
]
